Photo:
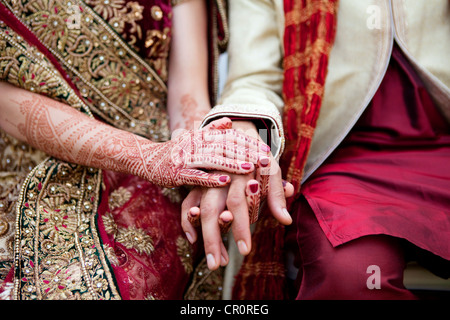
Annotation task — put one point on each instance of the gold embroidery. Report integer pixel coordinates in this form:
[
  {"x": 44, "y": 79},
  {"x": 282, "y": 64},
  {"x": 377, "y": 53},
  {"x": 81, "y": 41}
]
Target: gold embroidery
[
  {"x": 113, "y": 78},
  {"x": 184, "y": 251},
  {"x": 119, "y": 197},
  {"x": 111, "y": 255},
  {"x": 118, "y": 13},
  {"x": 159, "y": 43},
  {"x": 156, "y": 12},
  {"x": 135, "y": 238},
  {"x": 173, "y": 194},
  {"x": 59, "y": 255},
  {"x": 109, "y": 224},
  {"x": 206, "y": 284}
]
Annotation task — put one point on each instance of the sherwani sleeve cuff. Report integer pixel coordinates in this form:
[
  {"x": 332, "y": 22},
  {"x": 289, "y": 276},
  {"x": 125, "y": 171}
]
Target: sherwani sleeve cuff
[{"x": 266, "y": 118}]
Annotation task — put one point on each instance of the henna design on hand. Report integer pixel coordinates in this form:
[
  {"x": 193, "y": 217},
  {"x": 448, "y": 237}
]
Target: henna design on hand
[
  {"x": 253, "y": 195},
  {"x": 191, "y": 113},
  {"x": 72, "y": 136}
]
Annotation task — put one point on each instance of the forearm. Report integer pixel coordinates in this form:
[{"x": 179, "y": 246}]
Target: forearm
[
  {"x": 69, "y": 135},
  {"x": 188, "y": 100}
]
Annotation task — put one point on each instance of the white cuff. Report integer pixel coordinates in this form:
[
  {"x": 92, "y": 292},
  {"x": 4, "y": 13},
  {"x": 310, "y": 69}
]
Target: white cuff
[{"x": 271, "y": 118}]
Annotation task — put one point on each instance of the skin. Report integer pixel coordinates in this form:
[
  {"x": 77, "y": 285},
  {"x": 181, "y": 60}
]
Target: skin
[
  {"x": 235, "y": 205},
  {"x": 70, "y": 135},
  {"x": 67, "y": 134},
  {"x": 189, "y": 97}
]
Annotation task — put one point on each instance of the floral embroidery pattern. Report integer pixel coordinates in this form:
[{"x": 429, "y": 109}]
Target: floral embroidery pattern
[
  {"x": 119, "y": 197},
  {"x": 135, "y": 238},
  {"x": 58, "y": 254},
  {"x": 59, "y": 240},
  {"x": 118, "y": 85},
  {"x": 184, "y": 251}
]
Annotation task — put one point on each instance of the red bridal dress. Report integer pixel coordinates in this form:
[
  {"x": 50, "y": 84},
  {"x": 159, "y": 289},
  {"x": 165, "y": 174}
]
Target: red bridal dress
[{"x": 70, "y": 232}]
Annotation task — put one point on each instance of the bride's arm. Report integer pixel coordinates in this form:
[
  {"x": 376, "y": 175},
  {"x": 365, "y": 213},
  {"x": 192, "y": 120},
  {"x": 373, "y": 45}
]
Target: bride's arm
[
  {"x": 188, "y": 100},
  {"x": 67, "y": 134}
]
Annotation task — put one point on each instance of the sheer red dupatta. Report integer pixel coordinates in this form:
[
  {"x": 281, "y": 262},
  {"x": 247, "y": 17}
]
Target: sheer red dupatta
[{"x": 310, "y": 28}]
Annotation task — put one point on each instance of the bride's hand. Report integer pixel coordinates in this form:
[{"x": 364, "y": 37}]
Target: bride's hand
[{"x": 215, "y": 147}]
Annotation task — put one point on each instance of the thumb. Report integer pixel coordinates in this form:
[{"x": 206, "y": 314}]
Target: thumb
[{"x": 276, "y": 201}]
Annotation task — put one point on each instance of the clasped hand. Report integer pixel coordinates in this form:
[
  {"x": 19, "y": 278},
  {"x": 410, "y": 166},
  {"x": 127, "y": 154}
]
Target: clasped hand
[
  {"x": 216, "y": 147},
  {"x": 237, "y": 205}
]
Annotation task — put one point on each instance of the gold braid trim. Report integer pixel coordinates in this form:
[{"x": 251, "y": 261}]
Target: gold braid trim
[{"x": 58, "y": 254}]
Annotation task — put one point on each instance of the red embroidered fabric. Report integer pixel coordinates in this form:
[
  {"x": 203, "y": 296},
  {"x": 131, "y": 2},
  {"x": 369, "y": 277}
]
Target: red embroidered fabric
[
  {"x": 154, "y": 258},
  {"x": 147, "y": 215},
  {"x": 390, "y": 175}
]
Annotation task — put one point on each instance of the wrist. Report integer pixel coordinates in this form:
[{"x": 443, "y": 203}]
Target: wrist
[
  {"x": 133, "y": 153},
  {"x": 247, "y": 126}
]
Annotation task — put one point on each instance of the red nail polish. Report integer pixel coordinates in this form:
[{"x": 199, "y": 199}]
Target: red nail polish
[
  {"x": 254, "y": 187},
  {"x": 223, "y": 179},
  {"x": 246, "y": 166},
  {"x": 264, "y": 162}
]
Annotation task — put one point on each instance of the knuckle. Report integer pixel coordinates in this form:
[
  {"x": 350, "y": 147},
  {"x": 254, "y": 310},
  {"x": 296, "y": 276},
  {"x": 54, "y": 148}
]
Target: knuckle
[
  {"x": 234, "y": 202},
  {"x": 207, "y": 210}
]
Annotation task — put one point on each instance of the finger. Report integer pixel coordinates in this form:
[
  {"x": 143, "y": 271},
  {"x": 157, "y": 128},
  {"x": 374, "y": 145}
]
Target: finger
[
  {"x": 191, "y": 200},
  {"x": 194, "y": 216},
  {"x": 276, "y": 199},
  {"x": 223, "y": 255},
  {"x": 237, "y": 204},
  {"x": 194, "y": 177},
  {"x": 252, "y": 191},
  {"x": 212, "y": 203},
  {"x": 222, "y": 123},
  {"x": 219, "y": 163},
  {"x": 288, "y": 189},
  {"x": 263, "y": 175},
  {"x": 225, "y": 220},
  {"x": 232, "y": 152},
  {"x": 232, "y": 137}
]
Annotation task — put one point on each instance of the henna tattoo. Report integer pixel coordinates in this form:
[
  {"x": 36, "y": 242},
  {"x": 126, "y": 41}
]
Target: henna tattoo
[
  {"x": 72, "y": 136},
  {"x": 264, "y": 175},
  {"x": 252, "y": 192},
  {"x": 191, "y": 114},
  {"x": 194, "y": 216}
]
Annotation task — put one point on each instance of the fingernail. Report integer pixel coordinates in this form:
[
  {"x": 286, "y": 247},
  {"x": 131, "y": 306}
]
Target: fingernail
[
  {"x": 265, "y": 148},
  {"x": 223, "y": 179},
  {"x": 223, "y": 261},
  {"x": 243, "y": 249},
  {"x": 264, "y": 161},
  {"x": 210, "y": 261},
  {"x": 254, "y": 187},
  {"x": 286, "y": 213},
  {"x": 189, "y": 237},
  {"x": 246, "y": 166}
]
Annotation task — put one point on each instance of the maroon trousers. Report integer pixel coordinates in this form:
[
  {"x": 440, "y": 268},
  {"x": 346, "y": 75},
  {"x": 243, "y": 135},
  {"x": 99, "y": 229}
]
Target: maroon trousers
[
  {"x": 384, "y": 192},
  {"x": 366, "y": 268}
]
